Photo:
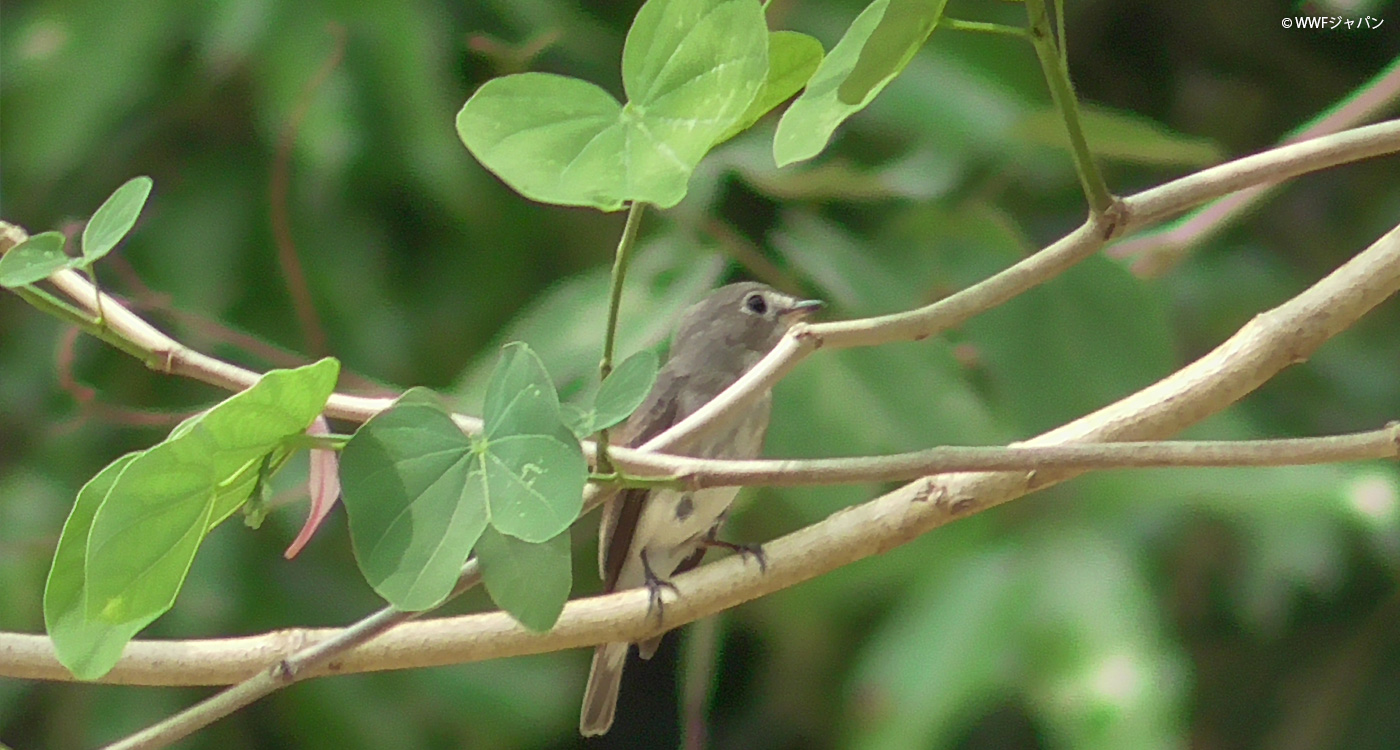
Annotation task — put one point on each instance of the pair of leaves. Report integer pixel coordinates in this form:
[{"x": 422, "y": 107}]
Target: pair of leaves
[
  {"x": 696, "y": 72},
  {"x": 132, "y": 534},
  {"x": 42, "y": 255}
]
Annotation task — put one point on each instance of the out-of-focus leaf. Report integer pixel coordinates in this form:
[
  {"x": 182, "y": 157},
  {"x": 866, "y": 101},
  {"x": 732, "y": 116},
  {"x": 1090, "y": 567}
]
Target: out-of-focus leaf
[
  {"x": 1122, "y": 136},
  {"x": 1086, "y": 338},
  {"x": 35, "y": 259},
  {"x": 529, "y": 580},
  {"x": 114, "y": 218},
  {"x": 920, "y": 175},
  {"x": 1292, "y": 523},
  {"x": 943, "y": 653},
  {"x": 1103, "y": 672}
]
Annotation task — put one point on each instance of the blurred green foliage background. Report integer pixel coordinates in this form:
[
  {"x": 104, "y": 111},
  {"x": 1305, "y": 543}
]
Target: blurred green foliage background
[{"x": 1212, "y": 609}]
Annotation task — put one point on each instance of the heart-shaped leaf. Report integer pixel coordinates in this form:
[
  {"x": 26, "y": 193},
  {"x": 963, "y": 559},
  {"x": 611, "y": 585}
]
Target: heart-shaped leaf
[{"x": 690, "y": 69}]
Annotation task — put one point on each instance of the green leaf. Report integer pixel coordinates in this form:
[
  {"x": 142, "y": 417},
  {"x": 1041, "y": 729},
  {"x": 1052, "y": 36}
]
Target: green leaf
[
  {"x": 1122, "y": 136},
  {"x": 529, "y": 581},
  {"x": 902, "y": 30},
  {"x": 145, "y": 533},
  {"x": 87, "y": 647},
  {"x": 33, "y": 260},
  {"x": 114, "y": 218},
  {"x": 690, "y": 69},
  {"x": 624, "y": 390},
  {"x": 792, "y": 59},
  {"x": 520, "y": 399},
  {"x": 861, "y": 63},
  {"x": 533, "y": 484},
  {"x": 412, "y": 489},
  {"x": 579, "y": 421},
  {"x": 147, "y": 530}
]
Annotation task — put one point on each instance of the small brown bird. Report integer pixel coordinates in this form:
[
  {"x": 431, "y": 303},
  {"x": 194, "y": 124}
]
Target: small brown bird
[{"x": 647, "y": 536}]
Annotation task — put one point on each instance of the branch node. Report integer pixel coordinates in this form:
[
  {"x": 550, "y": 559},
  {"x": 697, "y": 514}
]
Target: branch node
[
  {"x": 284, "y": 672},
  {"x": 803, "y": 333},
  {"x": 931, "y": 490},
  {"x": 1114, "y": 218}
]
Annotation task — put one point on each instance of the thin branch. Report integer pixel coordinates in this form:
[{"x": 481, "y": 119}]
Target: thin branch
[
  {"x": 1273, "y": 340},
  {"x": 1143, "y": 209},
  {"x": 1134, "y": 213},
  {"x": 1156, "y": 252},
  {"x": 1375, "y": 444}
]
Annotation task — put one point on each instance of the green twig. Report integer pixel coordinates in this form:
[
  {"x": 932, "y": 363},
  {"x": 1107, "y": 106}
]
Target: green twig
[
  {"x": 47, "y": 303},
  {"x": 627, "y": 481},
  {"x": 619, "y": 274},
  {"x": 1062, "y": 93},
  {"x": 982, "y": 27}
]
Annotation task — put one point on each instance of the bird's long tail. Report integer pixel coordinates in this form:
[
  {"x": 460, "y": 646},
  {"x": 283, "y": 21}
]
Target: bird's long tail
[{"x": 600, "y": 697}]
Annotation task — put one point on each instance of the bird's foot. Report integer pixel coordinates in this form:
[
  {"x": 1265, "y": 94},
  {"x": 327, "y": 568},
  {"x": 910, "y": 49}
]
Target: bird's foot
[
  {"x": 655, "y": 584},
  {"x": 743, "y": 550}
]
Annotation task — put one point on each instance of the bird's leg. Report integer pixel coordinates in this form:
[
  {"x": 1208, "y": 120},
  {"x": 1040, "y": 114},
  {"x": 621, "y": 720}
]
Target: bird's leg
[
  {"x": 745, "y": 551},
  {"x": 655, "y": 584}
]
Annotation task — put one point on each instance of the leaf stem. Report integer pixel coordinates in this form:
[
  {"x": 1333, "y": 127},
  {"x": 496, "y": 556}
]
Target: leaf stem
[
  {"x": 1052, "y": 62},
  {"x": 619, "y": 274},
  {"x": 316, "y": 442}
]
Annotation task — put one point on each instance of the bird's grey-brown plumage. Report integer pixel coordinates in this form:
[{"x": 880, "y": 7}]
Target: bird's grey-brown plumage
[{"x": 718, "y": 339}]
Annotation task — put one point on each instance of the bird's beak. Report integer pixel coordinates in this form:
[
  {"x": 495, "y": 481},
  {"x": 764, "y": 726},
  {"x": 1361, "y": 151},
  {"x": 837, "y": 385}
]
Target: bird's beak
[{"x": 801, "y": 309}]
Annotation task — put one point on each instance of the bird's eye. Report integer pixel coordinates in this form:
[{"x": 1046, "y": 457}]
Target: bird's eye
[{"x": 756, "y": 304}]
